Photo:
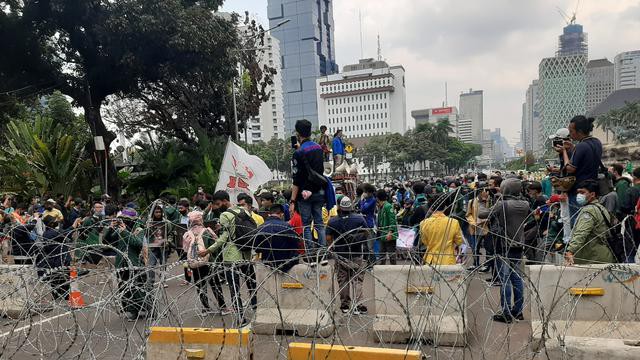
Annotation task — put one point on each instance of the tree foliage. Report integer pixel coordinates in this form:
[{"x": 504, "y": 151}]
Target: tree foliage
[
  {"x": 427, "y": 142},
  {"x": 624, "y": 122},
  {"x": 177, "y": 56}
]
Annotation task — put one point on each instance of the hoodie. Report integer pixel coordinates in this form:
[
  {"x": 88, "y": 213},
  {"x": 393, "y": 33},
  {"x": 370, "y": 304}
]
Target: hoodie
[{"x": 507, "y": 217}]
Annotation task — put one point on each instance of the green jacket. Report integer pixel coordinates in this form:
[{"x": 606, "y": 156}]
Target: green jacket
[
  {"x": 387, "y": 222},
  {"x": 172, "y": 214},
  {"x": 622, "y": 186},
  {"x": 89, "y": 238},
  {"x": 230, "y": 252},
  {"x": 129, "y": 243},
  {"x": 589, "y": 236}
]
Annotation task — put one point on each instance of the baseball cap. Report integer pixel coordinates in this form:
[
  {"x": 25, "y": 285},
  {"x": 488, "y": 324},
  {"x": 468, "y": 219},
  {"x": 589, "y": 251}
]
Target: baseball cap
[
  {"x": 345, "y": 204},
  {"x": 51, "y": 201},
  {"x": 560, "y": 133}
]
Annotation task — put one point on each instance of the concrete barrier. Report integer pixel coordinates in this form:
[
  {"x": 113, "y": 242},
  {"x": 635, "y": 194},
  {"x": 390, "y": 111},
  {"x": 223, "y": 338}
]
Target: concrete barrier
[
  {"x": 299, "y": 301},
  {"x": 584, "y": 311},
  {"x": 21, "y": 293},
  {"x": 420, "y": 303},
  {"x": 304, "y": 351},
  {"x": 199, "y": 343}
]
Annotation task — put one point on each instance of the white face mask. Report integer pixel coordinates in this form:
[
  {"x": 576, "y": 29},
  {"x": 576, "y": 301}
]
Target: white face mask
[
  {"x": 581, "y": 199},
  {"x": 452, "y": 190}
]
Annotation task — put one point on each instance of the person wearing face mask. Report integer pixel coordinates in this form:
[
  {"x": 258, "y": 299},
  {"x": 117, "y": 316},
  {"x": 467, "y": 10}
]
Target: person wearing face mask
[
  {"x": 51, "y": 210},
  {"x": 588, "y": 244},
  {"x": 90, "y": 234},
  {"x": 128, "y": 238}
]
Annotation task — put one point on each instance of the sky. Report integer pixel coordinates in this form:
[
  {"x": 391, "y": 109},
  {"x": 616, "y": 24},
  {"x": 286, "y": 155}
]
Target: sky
[{"x": 492, "y": 45}]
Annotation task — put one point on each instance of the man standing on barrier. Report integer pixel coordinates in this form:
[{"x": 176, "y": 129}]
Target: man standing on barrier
[{"x": 348, "y": 233}]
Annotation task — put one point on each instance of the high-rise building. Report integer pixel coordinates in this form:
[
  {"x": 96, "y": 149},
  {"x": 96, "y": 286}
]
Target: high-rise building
[
  {"x": 562, "y": 82},
  {"x": 270, "y": 122},
  {"x": 573, "y": 41},
  {"x": 599, "y": 82},
  {"x": 435, "y": 115},
  {"x": 627, "y": 70},
  {"x": 465, "y": 130},
  {"x": 307, "y": 50},
  {"x": 366, "y": 99},
  {"x": 471, "y": 107},
  {"x": 530, "y": 135}
]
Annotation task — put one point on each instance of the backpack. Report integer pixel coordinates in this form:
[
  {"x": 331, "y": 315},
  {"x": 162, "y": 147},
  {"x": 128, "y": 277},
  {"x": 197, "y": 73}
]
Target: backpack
[
  {"x": 245, "y": 230},
  {"x": 197, "y": 245},
  {"x": 620, "y": 246}
]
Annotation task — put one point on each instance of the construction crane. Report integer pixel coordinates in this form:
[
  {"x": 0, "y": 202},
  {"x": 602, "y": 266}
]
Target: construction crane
[{"x": 569, "y": 20}]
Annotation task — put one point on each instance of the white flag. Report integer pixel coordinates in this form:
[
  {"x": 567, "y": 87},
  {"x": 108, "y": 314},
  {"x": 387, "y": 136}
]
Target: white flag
[{"x": 241, "y": 172}]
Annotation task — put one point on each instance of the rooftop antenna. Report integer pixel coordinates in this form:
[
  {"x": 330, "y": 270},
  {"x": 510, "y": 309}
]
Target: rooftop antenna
[
  {"x": 379, "y": 49},
  {"x": 361, "y": 43},
  {"x": 446, "y": 96}
]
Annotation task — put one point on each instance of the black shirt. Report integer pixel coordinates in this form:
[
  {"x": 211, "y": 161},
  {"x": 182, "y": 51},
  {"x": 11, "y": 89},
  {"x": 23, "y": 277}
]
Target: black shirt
[
  {"x": 586, "y": 159},
  {"x": 347, "y": 232},
  {"x": 312, "y": 153}
]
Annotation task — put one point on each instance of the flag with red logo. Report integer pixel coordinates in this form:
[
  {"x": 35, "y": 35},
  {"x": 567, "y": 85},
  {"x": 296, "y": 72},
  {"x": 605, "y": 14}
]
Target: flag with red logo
[{"x": 241, "y": 172}]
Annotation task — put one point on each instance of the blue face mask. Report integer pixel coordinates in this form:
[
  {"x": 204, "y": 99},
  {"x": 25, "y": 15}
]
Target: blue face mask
[{"x": 581, "y": 199}]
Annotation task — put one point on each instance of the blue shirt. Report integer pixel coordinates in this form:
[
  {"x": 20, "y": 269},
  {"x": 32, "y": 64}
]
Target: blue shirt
[
  {"x": 586, "y": 159},
  {"x": 368, "y": 209},
  {"x": 277, "y": 243},
  {"x": 337, "y": 146},
  {"x": 347, "y": 239}
]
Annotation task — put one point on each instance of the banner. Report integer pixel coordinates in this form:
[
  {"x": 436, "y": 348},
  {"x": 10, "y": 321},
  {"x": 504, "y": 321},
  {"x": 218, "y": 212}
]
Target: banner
[{"x": 241, "y": 172}]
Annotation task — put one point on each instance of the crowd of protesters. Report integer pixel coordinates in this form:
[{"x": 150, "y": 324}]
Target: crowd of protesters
[{"x": 489, "y": 222}]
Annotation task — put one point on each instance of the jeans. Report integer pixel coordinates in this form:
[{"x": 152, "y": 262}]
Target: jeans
[
  {"x": 311, "y": 211},
  {"x": 157, "y": 256},
  {"x": 574, "y": 208},
  {"x": 474, "y": 243},
  {"x": 235, "y": 273},
  {"x": 203, "y": 275},
  {"x": 387, "y": 248},
  {"x": 509, "y": 272}
]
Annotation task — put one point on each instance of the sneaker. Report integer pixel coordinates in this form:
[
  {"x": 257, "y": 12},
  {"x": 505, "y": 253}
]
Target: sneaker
[
  {"x": 226, "y": 311},
  {"x": 483, "y": 269},
  {"x": 324, "y": 262},
  {"x": 206, "y": 311},
  {"x": 165, "y": 286},
  {"x": 519, "y": 317},
  {"x": 503, "y": 318},
  {"x": 360, "y": 310},
  {"x": 344, "y": 308}
]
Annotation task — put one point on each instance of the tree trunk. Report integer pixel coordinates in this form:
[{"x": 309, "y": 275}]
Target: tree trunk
[{"x": 98, "y": 128}]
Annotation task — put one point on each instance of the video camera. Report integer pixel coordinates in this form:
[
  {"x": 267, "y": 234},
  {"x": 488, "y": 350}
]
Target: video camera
[{"x": 558, "y": 141}]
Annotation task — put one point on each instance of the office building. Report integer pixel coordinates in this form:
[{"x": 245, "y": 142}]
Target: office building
[
  {"x": 530, "y": 133},
  {"x": 366, "y": 99},
  {"x": 627, "y": 70},
  {"x": 435, "y": 115},
  {"x": 471, "y": 107},
  {"x": 573, "y": 41},
  {"x": 307, "y": 51},
  {"x": 465, "y": 130},
  {"x": 599, "y": 82},
  {"x": 270, "y": 122},
  {"x": 562, "y": 82}
]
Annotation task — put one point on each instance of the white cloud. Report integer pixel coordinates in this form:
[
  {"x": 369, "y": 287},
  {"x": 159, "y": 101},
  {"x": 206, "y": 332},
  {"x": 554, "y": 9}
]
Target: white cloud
[{"x": 494, "y": 45}]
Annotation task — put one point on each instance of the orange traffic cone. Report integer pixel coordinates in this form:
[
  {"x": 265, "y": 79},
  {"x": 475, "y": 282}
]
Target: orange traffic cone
[{"x": 75, "y": 296}]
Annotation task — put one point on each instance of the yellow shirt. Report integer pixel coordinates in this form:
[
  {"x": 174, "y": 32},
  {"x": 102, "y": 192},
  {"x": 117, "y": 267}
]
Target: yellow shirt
[
  {"x": 440, "y": 235},
  {"x": 327, "y": 215},
  {"x": 54, "y": 213},
  {"x": 257, "y": 218}
]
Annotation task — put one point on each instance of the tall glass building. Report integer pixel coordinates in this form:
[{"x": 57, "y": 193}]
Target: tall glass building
[
  {"x": 307, "y": 52},
  {"x": 562, "y": 82}
]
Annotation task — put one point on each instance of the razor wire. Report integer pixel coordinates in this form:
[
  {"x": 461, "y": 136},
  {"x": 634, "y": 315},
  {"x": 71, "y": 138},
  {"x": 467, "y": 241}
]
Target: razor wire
[{"x": 43, "y": 327}]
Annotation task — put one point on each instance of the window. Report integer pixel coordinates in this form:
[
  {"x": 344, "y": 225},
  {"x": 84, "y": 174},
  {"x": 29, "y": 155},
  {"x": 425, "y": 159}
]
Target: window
[
  {"x": 275, "y": 128},
  {"x": 275, "y": 113},
  {"x": 275, "y": 121},
  {"x": 273, "y": 106}
]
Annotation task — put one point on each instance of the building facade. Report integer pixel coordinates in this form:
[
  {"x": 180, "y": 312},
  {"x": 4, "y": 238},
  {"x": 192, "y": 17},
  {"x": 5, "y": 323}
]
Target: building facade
[
  {"x": 307, "y": 51},
  {"x": 270, "y": 122},
  {"x": 472, "y": 107},
  {"x": 465, "y": 130},
  {"x": 573, "y": 41},
  {"x": 627, "y": 70},
  {"x": 562, "y": 92},
  {"x": 530, "y": 134},
  {"x": 599, "y": 82},
  {"x": 435, "y": 115},
  {"x": 366, "y": 99}
]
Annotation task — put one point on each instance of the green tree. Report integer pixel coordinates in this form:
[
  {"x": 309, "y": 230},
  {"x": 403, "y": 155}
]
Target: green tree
[
  {"x": 42, "y": 157},
  {"x": 624, "y": 122},
  {"x": 90, "y": 49}
]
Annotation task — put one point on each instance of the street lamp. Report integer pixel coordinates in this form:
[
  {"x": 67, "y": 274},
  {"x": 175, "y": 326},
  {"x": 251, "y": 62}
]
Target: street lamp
[{"x": 233, "y": 88}]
